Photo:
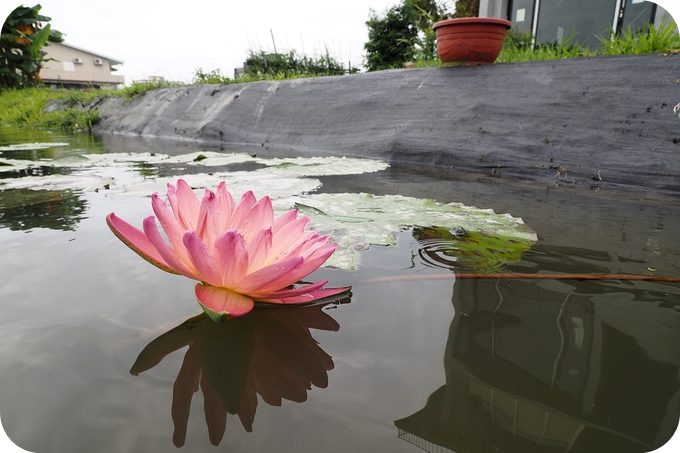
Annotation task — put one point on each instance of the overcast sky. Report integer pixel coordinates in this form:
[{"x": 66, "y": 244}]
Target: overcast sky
[{"x": 174, "y": 38}]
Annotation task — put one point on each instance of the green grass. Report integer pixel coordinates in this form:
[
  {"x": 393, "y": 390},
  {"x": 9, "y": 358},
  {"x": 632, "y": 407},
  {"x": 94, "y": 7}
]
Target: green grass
[
  {"x": 216, "y": 77},
  {"x": 662, "y": 39},
  {"x": 26, "y": 107},
  {"x": 517, "y": 47},
  {"x": 138, "y": 89}
]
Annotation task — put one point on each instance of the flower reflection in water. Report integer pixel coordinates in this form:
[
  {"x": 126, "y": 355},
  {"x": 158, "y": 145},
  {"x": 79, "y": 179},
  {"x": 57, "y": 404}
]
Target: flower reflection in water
[{"x": 268, "y": 352}]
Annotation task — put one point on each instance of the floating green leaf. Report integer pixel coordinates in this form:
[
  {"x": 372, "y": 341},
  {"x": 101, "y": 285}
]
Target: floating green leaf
[
  {"x": 490, "y": 239},
  {"x": 474, "y": 252}
]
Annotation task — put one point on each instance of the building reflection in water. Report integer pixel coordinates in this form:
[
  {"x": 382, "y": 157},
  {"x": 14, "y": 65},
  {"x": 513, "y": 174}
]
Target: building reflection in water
[
  {"x": 268, "y": 352},
  {"x": 548, "y": 366}
]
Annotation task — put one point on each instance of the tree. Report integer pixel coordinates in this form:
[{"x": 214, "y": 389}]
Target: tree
[
  {"x": 403, "y": 34},
  {"x": 467, "y": 8},
  {"x": 391, "y": 39},
  {"x": 426, "y": 14},
  {"x": 21, "y": 46}
]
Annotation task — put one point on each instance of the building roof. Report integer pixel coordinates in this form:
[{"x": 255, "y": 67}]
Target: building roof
[{"x": 112, "y": 61}]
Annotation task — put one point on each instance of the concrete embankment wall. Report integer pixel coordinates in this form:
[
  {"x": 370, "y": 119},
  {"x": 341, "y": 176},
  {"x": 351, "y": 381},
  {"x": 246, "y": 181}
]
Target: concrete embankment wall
[{"x": 601, "y": 121}]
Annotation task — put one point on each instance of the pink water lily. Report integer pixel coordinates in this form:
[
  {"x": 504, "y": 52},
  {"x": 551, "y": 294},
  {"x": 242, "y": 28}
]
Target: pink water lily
[{"x": 238, "y": 251}]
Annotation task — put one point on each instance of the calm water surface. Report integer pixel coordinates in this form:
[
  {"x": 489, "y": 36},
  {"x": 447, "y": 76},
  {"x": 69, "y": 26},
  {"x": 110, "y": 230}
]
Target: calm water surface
[{"x": 102, "y": 352}]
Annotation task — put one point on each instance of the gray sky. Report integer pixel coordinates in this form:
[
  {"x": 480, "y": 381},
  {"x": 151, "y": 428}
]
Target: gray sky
[{"x": 174, "y": 38}]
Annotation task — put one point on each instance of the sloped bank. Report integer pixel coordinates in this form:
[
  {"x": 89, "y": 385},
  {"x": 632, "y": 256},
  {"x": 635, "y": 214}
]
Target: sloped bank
[{"x": 592, "y": 122}]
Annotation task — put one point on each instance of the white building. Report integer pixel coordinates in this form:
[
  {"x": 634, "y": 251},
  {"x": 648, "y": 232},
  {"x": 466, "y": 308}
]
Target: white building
[{"x": 74, "y": 67}]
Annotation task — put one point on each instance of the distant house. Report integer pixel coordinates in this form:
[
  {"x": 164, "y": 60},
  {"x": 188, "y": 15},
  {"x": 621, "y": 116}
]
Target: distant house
[
  {"x": 575, "y": 21},
  {"x": 74, "y": 67}
]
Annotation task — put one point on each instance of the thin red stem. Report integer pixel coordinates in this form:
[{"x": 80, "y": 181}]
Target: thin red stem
[{"x": 652, "y": 278}]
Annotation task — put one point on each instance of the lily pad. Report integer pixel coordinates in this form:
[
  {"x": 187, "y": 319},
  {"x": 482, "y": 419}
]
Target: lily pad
[
  {"x": 31, "y": 146},
  {"x": 357, "y": 221},
  {"x": 459, "y": 250},
  {"x": 264, "y": 180}
]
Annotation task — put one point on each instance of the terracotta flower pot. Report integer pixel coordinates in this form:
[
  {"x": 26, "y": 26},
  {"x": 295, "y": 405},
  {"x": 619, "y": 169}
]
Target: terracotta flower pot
[{"x": 470, "y": 40}]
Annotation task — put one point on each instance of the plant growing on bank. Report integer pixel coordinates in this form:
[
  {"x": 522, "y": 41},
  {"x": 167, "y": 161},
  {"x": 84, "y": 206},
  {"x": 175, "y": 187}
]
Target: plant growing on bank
[
  {"x": 648, "y": 40},
  {"x": 214, "y": 77},
  {"x": 28, "y": 107},
  {"x": 21, "y": 47},
  {"x": 293, "y": 64},
  {"x": 651, "y": 39},
  {"x": 277, "y": 66},
  {"x": 137, "y": 89},
  {"x": 519, "y": 47}
]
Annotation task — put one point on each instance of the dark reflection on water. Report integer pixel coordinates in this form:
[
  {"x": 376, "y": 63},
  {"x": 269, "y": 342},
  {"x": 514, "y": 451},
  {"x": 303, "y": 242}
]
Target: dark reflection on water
[
  {"x": 64, "y": 144},
  {"x": 554, "y": 366},
  {"x": 268, "y": 352},
  {"x": 25, "y": 209}
]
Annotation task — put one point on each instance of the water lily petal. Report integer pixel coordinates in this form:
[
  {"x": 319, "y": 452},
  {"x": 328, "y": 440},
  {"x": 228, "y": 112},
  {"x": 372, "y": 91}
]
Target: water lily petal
[
  {"x": 290, "y": 235},
  {"x": 308, "y": 247},
  {"x": 244, "y": 205},
  {"x": 259, "y": 249},
  {"x": 219, "y": 303},
  {"x": 284, "y": 219},
  {"x": 292, "y": 228},
  {"x": 168, "y": 254},
  {"x": 309, "y": 296},
  {"x": 319, "y": 256},
  {"x": 137, "y": 241},
  {"x": 259, "y": 217},
  {"x": 311, "y": 263},
  {"x": 232, "y": 257},
  {"x": 290, "y": 292},
  {"x": 169, "y": 224},
  {"x": 271, "y": 278},
  {"x": 184, "y": 204},
  {"x": 209, "y": 223},
  {"x": 202, "y": 259},
  {"x": 226, "y": 205}
]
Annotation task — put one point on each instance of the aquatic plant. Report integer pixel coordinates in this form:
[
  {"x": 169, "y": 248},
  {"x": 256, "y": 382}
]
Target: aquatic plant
[{"x": 238, "y": 251}]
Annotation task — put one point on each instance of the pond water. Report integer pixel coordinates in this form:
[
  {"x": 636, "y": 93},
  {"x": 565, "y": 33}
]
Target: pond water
[{"x": 102, "y": 352}]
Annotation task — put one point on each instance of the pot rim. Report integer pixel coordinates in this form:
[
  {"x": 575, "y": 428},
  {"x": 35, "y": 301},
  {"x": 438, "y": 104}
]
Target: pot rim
[{"x": 473, "y": 20}]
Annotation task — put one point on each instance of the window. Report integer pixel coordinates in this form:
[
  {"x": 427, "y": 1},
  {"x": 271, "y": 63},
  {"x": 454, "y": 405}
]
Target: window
[{"x": 577, "y": 20}]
